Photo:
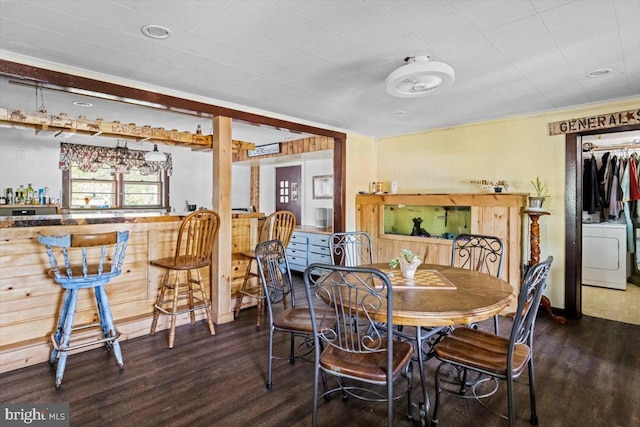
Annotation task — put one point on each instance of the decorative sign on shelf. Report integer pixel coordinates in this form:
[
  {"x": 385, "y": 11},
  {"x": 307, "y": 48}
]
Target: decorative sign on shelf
[
  {"x": 602, "y": 121},
  {"x": 262, "y": 150}
]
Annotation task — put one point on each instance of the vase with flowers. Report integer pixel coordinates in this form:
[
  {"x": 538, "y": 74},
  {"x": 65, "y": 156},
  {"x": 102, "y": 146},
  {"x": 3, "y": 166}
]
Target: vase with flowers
[
  {"x": 408, "y": 263},
  {"x": 498, "y": 186}
]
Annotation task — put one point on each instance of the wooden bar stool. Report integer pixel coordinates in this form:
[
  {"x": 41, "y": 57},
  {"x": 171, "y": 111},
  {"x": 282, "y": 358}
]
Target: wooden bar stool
[
  {"x": 278, "y": 226},
  {"x": 78, "y": 254},
  {"x": 183, "y": 280}
]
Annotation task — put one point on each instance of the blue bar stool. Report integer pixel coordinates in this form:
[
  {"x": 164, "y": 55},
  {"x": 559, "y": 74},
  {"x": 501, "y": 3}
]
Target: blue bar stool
[{"x": 90, "y": 261}]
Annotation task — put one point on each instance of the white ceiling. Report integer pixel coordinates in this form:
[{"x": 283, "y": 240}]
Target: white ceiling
[{"x": 324, "y": 62}]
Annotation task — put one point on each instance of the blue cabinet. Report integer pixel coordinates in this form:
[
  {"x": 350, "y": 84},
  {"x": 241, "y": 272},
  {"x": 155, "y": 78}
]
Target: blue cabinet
[{"x": 306, "y": 248}]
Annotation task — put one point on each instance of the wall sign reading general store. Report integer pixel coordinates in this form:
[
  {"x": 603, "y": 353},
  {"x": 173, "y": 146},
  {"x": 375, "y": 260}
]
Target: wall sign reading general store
[
  {"x": 262, "y": 150},
  {"x": 602, "y": 121}
]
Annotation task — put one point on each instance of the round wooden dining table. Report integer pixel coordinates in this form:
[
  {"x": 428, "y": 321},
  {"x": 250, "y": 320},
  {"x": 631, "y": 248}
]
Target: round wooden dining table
[
  {"x": 438, "y": 297},
  {"x": 465, "y": 297}
]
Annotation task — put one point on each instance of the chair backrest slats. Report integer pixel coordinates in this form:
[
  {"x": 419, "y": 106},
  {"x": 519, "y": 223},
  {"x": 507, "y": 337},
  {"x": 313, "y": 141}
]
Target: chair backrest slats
[
  {"x": 351, "y": 248},
  {"x": 278, "y": 226},
  {"x": 196, "y": 236},
  {"x": 534, "y": 283},
  {"x": 274, "y": 271},
  {"x": 86, "y": 253},
  {"x": 477, "y": 252},
  {"x": 359, "y": 298}
]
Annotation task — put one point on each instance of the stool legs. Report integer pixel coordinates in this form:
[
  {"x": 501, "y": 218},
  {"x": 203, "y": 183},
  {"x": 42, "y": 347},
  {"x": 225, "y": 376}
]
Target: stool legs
[
  {"x": 159, "y": 300},
  {"x": 58, "y": 334},
  {"x": 207, "y": 307},
  {"x": 244, "y": 290},
  {"x": 65, "y": 334},
  {"x": 192, "y": 290},
  {"x": 108, "y": 328},
  {"x": 174, "y": 311},
  {"x": 61, "y": 339}
]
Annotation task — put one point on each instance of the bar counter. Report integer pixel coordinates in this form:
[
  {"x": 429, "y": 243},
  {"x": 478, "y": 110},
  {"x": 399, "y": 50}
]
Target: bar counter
[{"x": 30, "y": 300}]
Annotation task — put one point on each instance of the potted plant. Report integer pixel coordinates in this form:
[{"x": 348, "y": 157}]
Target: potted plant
[
  {"x": 541, "y": 193},
  {"x": 499, "y": 185},
  {"x": 408, "y": 263}
]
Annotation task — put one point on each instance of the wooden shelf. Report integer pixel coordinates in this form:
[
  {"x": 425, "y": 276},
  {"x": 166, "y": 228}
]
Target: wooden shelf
[{"x": 63, "y": 125}]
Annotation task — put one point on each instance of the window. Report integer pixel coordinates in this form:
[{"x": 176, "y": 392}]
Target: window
[
  {"x": 106, "y": 178},
  {"x": 104, "y": 189}
]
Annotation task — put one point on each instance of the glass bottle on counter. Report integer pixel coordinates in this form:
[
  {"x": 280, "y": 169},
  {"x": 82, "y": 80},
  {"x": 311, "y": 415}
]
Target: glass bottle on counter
[
  {"x": 21, "y": 194},
  {"x": 30, "y": 195}
]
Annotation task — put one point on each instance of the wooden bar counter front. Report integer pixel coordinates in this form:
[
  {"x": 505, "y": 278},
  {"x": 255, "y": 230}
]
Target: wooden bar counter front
[{"x": 30, "y": 300}]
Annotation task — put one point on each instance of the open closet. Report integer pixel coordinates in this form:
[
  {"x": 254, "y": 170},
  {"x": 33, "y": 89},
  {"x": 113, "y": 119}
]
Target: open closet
[{"x": 611, "y": 225}]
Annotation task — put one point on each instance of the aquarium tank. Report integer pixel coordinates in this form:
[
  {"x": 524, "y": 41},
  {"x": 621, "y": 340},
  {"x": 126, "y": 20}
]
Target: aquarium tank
[{"x": 427, "y": 221}]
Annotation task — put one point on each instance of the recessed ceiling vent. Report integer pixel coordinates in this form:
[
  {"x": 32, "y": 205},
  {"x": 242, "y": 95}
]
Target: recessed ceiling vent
[{"x": 419, "y": 77}]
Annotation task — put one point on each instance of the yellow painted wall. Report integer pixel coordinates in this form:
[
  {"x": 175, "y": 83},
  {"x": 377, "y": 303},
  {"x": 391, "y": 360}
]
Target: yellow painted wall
[
  {"x": 446, "y": 160},
  {"x": 361, "y": 166}
]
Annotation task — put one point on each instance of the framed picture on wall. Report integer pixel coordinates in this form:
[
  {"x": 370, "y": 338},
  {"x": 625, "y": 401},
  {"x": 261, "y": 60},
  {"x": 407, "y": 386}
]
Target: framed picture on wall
[{"x": 323, "y": 187}]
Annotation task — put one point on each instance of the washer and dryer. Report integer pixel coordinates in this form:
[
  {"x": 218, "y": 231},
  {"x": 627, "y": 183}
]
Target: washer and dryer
[{"x": 605, "y": 260}]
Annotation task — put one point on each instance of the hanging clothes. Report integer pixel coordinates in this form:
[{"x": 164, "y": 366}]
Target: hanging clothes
[
  {"x": 625, "y": 187},
  {"x": 615, "y": 193},
  {"x": 634, "y": 204},
  {"x": 634, "y": 189},
  {"x": 602, "y": 179},
  {"x": 607, "y": 181},
  {"x": 590, "y": 188}
]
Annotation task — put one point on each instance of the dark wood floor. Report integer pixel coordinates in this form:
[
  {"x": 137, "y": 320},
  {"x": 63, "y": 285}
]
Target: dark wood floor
[{"x": 588, "y": 373}]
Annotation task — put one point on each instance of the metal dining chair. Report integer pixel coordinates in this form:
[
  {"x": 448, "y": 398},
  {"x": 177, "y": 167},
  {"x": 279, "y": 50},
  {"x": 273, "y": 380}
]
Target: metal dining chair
[
  {"x": 352, "y": 248},
  {"x": 279, "y": 225},
  {"x": 275, "y": 276},
  {"x": 182, "y": 280},
  {"x": 495, "y": 356},
  {"x": 358, "y": 348},
  {"x": 480, "y": 253}
]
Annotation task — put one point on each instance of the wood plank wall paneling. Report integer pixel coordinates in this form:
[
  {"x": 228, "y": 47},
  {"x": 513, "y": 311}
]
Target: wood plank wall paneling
[
  {"x": 288, "y": 148},
  {"x": 491, "y": 214},
  {"x": 30, "y": 300}
]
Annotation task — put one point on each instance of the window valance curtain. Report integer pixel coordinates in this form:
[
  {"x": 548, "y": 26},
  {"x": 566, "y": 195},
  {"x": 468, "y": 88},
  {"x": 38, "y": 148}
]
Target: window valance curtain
[{"x": 91, "y": 158}]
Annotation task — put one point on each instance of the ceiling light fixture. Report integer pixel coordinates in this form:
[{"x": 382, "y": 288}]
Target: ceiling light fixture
[
  {"x": 155, "y": 155},
  {"x": 419, "y": 77},
  {"x": 122, "y": 153},
  {"x": 600, "y": 72},
  {"x": 157, "y": 32},
  {"x": 82, "y": 104}
]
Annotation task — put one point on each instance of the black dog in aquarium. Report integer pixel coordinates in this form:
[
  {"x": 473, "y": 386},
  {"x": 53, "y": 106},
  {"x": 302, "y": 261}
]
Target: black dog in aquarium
[{"x": 417, "y": 230}]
